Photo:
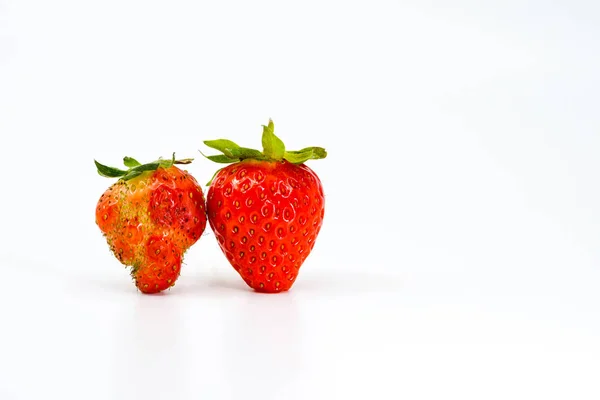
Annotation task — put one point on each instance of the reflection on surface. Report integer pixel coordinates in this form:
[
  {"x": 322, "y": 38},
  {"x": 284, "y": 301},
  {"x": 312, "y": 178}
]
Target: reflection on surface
[
  {"x": 148, "y": 349},
  {"x": 262, "y": 344}
]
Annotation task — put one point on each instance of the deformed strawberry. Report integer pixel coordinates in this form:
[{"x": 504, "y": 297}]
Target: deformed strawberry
[{"x": 150, "y": 217}]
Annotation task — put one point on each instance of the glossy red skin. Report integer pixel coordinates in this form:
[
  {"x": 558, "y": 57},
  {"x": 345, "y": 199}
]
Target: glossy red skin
[
  {"x": 150, "y": 221},
  {"x": 266, "y": 217}
]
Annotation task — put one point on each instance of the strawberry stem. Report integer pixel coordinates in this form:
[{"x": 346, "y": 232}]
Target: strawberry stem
[{"x": 273, "y": 147}]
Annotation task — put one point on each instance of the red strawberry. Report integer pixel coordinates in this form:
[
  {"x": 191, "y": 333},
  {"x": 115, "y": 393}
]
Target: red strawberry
[
  {"x": 150, "y": 217},
  {"x": 266, "y": 209}
]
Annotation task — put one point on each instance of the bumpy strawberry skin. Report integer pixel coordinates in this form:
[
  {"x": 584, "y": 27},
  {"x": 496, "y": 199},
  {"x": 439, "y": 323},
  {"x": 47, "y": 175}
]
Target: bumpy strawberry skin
[
  {"x": 150, "y": 220},
  {"x": 266, "y": 217},
  {"x": 266, "y": 210}
]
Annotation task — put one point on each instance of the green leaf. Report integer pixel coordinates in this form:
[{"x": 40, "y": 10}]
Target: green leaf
[
  {"x": 221, "y": 158},
  {"x": 242, "y": 153},
  {"x": 153, "y": 166},
  {"x": 130, "y": 162},
  {"x": 109, "y": 172},
  {"x": 184, "y": 161},
  {"x": 221, "y": 144},
  {"x": 131, "y": 174},
  {"x": 316, "y": 150},
  {"x": 165, "y": 163},
  {"x": 308, "y": 153},
  {"x": 273, "y": 147}
]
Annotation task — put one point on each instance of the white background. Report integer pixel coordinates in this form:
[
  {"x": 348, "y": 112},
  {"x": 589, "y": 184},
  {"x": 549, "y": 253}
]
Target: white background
[{"x": 459, "y": 253}]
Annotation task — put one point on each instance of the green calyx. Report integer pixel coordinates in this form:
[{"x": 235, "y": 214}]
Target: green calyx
[
  {"x": 135, "y": 168},
  {"x": 273, "y": 150}
]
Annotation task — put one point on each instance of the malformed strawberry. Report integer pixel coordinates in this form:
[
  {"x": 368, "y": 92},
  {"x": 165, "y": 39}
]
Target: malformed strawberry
[
  {"x": 150, "y": 217},
  {"x": 266, "y": 209}
]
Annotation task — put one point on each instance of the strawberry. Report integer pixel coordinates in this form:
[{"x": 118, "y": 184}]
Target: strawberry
[
  {"x": 266, "y": 209},
  {"x": 150, "y": 217}
]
